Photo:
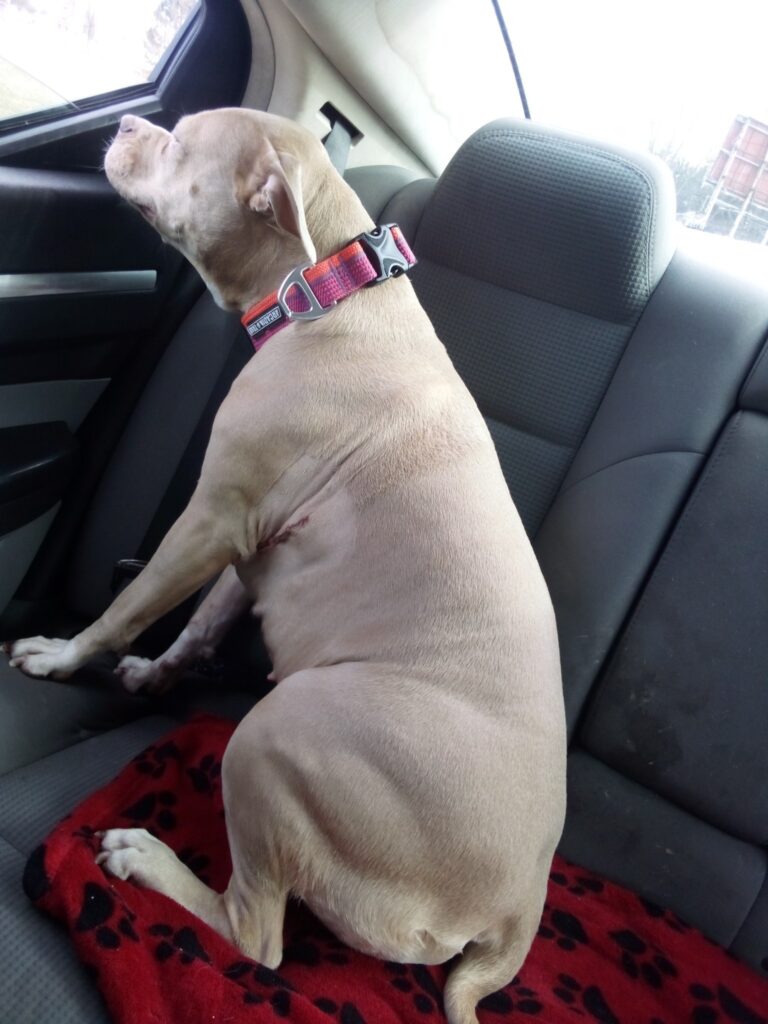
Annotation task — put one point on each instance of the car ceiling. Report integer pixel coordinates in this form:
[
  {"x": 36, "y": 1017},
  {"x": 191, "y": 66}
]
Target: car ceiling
[{"x": 427, "y": 73}]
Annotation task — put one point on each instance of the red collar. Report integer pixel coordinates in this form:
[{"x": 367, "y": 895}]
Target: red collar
[{"x": 312, "y": 290}]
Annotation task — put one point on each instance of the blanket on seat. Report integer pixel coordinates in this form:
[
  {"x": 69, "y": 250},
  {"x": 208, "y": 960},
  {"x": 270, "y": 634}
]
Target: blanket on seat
[{"x": 602, "y": 953}]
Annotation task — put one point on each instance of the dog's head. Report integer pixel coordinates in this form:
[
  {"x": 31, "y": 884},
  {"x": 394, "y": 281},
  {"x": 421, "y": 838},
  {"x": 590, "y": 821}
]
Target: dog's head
[{"x": 229, "y": 189}]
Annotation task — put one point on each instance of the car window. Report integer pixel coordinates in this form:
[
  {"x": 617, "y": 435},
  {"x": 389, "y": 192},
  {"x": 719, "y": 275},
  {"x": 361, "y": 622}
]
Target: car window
[
  {"x": 673, "y": 78},
  {"x": 56, "y": 53}
]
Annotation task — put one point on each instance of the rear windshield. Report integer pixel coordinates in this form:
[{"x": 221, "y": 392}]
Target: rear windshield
[{"x": 684, "y": 80}]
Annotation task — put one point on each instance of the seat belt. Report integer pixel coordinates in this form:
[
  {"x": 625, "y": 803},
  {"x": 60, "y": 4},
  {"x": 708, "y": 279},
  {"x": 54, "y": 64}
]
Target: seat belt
[
  {"x": 159, "y": 636},
  {"x": 339, "y": 139},
  {"x": 337, "y": 144}
]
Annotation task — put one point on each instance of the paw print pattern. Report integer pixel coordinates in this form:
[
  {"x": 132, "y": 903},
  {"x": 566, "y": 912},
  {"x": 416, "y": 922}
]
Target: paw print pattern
[
  {"x": 205, "y": 775},
  {"x": 566, "y": 989},
  {"x": 717, "y": 1005},
  {"x": 580, "y": 885},
  {"x": 347, "y": 1013},
  {"x": 525, "y": 1001},
  {"x": 154, "y": 811},
  {"x": 639, "y": 961},
  {"x": 666, "y": 916},
  {"x": 564, "y": 928},
  {"x": 417, "y": 981},
  {"x": 183, "y": 942},
  {"x": 247, "y": 974},
  {"x": 572, "y": 993},
  {"x": 154, "y": 760},
  {"x": 96, "y": 915}
]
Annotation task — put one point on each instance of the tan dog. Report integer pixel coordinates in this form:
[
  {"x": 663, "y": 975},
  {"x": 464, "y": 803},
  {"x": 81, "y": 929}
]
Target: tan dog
[{"x": 407, "y": 776}]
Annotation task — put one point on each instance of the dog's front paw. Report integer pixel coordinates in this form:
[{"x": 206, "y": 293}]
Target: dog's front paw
[
  {"x": 42, "y": 658},
  {"x": 143, "y": 675}
]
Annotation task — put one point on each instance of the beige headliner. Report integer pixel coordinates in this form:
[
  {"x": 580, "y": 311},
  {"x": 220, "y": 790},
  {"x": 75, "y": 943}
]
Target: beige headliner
[{"x": 416, "y": 76}]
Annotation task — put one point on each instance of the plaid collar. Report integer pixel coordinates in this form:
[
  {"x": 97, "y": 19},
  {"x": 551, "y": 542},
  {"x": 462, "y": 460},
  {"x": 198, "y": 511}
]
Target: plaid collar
[{"x": 312, "y": 290}]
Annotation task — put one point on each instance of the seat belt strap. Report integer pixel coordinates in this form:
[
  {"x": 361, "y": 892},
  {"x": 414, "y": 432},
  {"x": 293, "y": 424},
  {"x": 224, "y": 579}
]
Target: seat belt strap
[{"x": 337, "y": 144}]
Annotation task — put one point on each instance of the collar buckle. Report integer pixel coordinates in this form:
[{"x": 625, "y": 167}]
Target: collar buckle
[
  {"x": 382, "y": 250},
  {"x": 296, "y": 279}
]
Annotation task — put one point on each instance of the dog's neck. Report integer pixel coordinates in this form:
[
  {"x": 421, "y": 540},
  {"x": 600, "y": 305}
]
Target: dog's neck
[{"x": 334, "y": 216}]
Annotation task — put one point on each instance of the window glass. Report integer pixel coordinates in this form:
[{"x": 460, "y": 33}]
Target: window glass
[
  {"x": 683, "y": 79},
  {"x": 55, "y": 52}
]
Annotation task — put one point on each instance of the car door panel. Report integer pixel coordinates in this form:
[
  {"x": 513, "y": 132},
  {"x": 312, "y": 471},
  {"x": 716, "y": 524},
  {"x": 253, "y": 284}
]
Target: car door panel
[
  {"x": 36, "y": 464},
  {"x": 82, "y": 281},
  {"x": 87, "y": 287}
]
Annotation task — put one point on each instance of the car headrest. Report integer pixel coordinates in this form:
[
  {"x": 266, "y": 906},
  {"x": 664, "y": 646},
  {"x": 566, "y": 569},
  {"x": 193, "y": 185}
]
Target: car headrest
[{"x": 579, "y": 224}]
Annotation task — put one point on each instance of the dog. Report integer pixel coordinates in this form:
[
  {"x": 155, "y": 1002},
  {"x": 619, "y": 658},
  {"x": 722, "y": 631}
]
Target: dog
[{"x": 406, "y": 777}]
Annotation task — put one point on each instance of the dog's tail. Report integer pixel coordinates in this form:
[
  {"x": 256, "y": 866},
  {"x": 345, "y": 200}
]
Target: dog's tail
[{"x": 487, "y": 964}]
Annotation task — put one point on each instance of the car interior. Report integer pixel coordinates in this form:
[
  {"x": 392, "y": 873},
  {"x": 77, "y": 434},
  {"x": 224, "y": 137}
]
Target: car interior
[{"x": 619, "y": 360}]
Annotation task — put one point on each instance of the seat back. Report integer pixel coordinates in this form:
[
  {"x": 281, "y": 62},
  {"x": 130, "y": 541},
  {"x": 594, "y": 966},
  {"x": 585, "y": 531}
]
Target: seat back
[
  {"x": 537, "y": 254},
  {"x": 607, "y": 371},
  {"x": 681, "y": 710}
]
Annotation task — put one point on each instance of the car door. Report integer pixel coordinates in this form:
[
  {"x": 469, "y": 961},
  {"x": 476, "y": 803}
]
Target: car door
[{"x": 88, "y": 291}]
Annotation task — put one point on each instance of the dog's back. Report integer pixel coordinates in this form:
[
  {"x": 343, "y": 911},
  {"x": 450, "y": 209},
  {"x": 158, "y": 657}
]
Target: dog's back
[{"x": 403, "y": 605}]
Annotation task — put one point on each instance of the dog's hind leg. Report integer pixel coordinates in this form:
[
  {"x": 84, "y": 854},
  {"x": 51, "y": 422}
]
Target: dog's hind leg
[
  {"x": 252, "y": 920},
  {"x": 256, "y": 916}
]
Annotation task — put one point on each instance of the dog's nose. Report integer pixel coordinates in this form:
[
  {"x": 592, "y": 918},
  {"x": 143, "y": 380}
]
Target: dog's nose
[{"x": 128, "y": 124}]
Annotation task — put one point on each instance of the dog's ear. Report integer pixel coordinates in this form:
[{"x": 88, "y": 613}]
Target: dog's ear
[{"x": 273, "y": 189}]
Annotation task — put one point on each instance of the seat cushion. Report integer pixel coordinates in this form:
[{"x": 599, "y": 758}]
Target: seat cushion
[
  {"x": 39, "y": 716},
  {"x": 684, "y": 703},
  {"x": 43, "y": 981},
  {"x": 33, "y": 798},
  {"x": 630, "y": 834},
  {"x": 600, "y": 949},
  {"x": 673, "y": 390},
  {"x": 46, "y": 983}
]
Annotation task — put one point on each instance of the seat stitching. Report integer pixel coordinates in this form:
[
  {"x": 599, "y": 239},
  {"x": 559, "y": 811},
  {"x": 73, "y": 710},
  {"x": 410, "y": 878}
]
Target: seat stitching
[
  {"x": 528, "y": 433},
  {"x": 628, "y": 325},
  {"x": 553, "y": 142},
  {"x": 626, "y": 459}
]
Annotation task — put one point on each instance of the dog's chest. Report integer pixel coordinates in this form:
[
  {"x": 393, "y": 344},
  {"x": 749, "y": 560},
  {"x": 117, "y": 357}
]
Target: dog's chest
[{"x": 305, "y": 545}]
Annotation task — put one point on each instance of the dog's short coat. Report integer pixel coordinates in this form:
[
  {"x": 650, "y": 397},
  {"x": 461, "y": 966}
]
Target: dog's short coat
[{"x": 407, "y": 776}]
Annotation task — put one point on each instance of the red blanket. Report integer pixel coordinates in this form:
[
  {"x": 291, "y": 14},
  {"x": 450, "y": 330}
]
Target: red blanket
[{"x": 602, "y": 954}]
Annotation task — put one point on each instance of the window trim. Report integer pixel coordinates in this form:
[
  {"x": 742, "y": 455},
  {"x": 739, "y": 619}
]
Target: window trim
[
  {"x": 66, "y": 111},
  {"x": 27, "y": 131}
]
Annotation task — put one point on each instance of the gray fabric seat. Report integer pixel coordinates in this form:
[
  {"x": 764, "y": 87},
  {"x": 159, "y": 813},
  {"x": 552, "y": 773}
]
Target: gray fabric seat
[
  {"x": 44, "y": 980},
  {"x": 606, "y": 373},
  {"x": 681, "y": 709},
  {"x": 606, "y": 368}
]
